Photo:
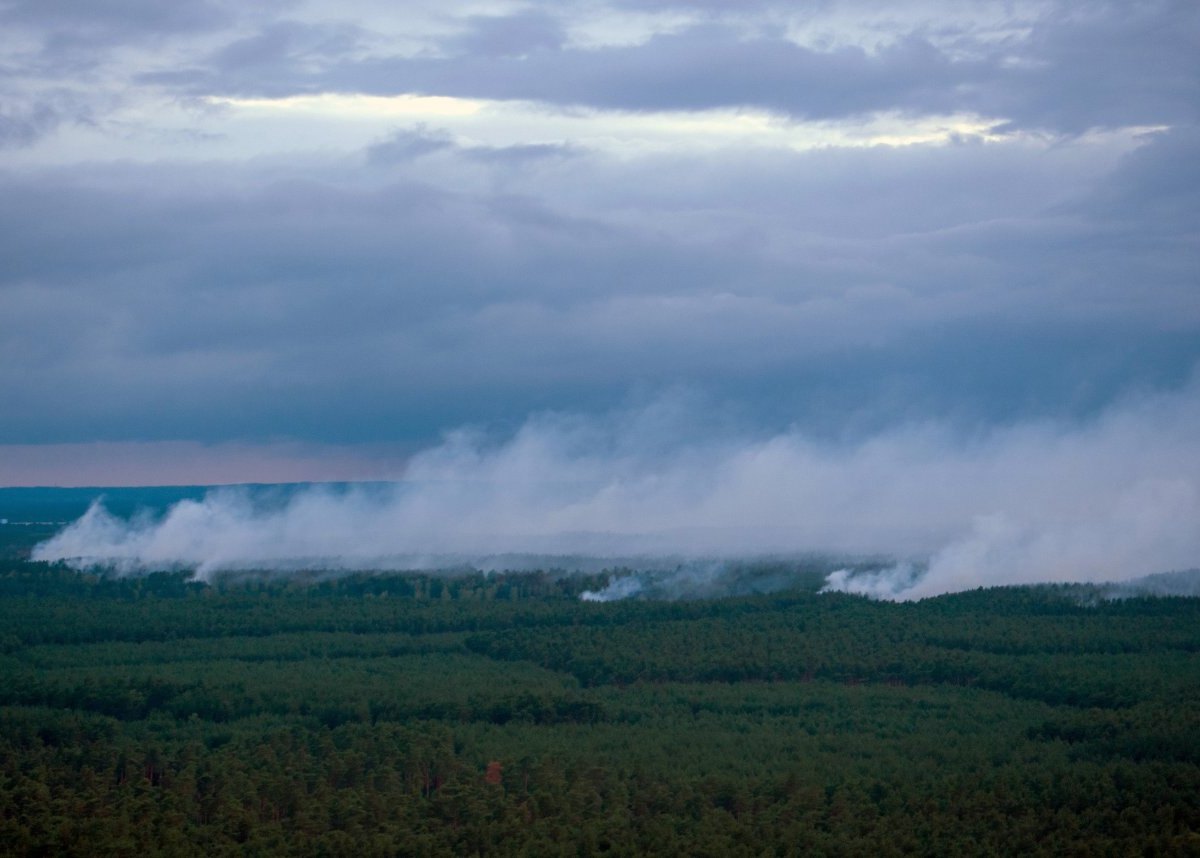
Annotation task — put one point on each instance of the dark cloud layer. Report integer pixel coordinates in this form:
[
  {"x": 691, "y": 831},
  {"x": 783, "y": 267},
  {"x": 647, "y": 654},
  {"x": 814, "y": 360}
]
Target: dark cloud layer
[
  {"x": 420, "y": 278},
  {"x": 23, "y": 127},
  {"x": 1066, "y": 70},
  {"x": 1056, "y": 66},
  {"x": 217, "y": 302},
  {"x": 76, "y": 37}
]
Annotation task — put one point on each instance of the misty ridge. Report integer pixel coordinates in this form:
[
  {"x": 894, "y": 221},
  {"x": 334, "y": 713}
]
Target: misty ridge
[{"x": 1106, "y": 500}]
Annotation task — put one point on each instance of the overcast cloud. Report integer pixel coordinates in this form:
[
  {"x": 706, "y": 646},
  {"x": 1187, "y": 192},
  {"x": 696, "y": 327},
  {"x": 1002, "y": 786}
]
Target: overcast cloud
[{"x": 360, "y": 226}]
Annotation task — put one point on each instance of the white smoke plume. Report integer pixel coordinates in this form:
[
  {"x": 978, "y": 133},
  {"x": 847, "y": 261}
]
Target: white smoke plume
[{"x": 1105, "y": 500}]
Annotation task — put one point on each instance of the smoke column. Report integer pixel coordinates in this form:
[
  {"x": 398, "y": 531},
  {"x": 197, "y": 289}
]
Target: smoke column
[{"x": 1110, "y": 499}]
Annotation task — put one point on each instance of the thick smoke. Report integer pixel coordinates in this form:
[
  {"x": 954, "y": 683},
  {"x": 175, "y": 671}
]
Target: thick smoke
[
  {"x": 1106, "y": 500},
  {"x": 1185, "y": 582}
]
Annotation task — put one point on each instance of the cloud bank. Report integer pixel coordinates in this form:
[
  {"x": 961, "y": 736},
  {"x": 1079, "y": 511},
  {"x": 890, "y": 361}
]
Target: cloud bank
[
  {"x": 925, "y": 254},
  {"x": 343, "y": 226},
  {"x": 1102, "y": 500}
]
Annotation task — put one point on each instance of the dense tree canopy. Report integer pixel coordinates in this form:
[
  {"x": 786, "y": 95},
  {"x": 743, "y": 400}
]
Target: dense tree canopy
[{"x": 409, "y": 714}]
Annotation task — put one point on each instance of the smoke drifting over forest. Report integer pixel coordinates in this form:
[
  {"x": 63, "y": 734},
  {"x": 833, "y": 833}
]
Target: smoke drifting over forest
[{"x": 1109, "y": 499}]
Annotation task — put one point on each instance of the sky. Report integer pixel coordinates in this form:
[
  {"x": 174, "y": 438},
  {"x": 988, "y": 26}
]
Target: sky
[{"x": 300, "y": 240}]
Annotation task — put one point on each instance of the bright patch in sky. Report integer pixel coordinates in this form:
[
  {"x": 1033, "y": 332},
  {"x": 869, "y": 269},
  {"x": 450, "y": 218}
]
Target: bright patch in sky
[{"x": 329, "y": 105}]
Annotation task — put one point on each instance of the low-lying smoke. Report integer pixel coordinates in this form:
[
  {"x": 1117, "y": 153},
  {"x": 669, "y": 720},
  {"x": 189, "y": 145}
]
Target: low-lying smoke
[{"x": 1111, "y": 499}]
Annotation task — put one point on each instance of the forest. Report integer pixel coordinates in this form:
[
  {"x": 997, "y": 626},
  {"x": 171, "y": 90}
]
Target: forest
[{"x": 500, "y": 714}]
